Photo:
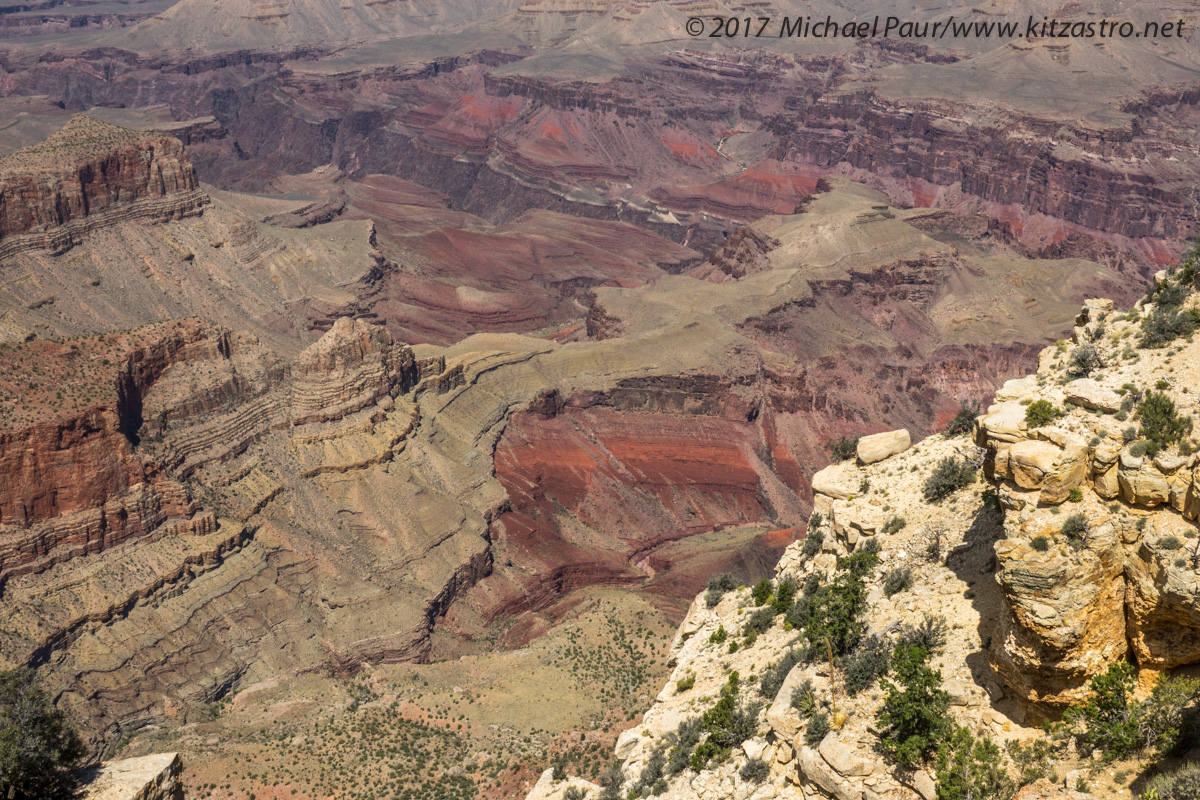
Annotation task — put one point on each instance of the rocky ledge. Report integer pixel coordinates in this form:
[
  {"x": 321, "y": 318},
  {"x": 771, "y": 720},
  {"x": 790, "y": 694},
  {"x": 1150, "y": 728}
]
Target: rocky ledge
[{"x": 87, "y": 176}]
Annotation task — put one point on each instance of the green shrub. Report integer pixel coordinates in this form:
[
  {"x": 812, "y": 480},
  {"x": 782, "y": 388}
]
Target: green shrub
[
  {"x": 718, "y": 585},
  {"x": 1032, "y": 760},
  {"x": 574, "y": 793},
  {"x": 756, "y": 771},
  {"x": 948, "y": 477},
  {"x": 762, "y": 591},
  {"x": 963, "y": 421},
  {"x": 831, "y": 613},
  {"x": 1110, "y": 717},
  {"x": 1160, "y": 421},
  {"x": 804, "y": 698},
  {"x": 683, "y": 741},
  {"x": 559, "y": 773},
  {"x": 843, "y": 448},
  {"x": 1041, "y": 412},
  {"x": 914, "y": 717},
  {"x": 685, "y": 683},
  {"x": 866, "y": 664},
  {"x": 1166, "y": 324},
  {"x": 929, "y": 634},
  {"x": 1040, "y": 543},
  {"x": 759, "y": 622},
  {"x": 1181, "y": 784},
  {"x": 1075, "y": 528},
  {"x": 818, "y": 726},
  {"x": 894, "y": 525},
  {"x": 1129, "y": 434},
  {"x": 39, "y": 749},
  {"x": 719, "y": 635},
  {"x": 862, "y": 562},
  {"x": 1170, "y": 543},
  {"x": 898, "y": 580},
  {"x": 1168, "y": 721},
  {"x": 1084, "y": 361},
  {"x": 1076, "y": 495},
  {"x": 785, "y": 595},
  {"x": 773, "y": 677},
  {"x": 971, "y": 769},
  {"x": 812, "y": 543},
  {"x": 728, "y": 724}
]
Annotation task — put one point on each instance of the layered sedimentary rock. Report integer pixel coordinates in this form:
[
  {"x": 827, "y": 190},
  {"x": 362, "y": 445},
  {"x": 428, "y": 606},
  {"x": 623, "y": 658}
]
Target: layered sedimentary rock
[
  {"x": 89, "y": 175},
  {"x": 1121, "y": 579}
]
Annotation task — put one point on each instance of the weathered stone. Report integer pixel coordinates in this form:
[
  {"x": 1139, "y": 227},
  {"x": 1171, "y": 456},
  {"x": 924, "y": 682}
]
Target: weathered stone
[
  {"x": 920, "y": 782},
  {"x": 1092, "y": 395},
  {"x": 1163, "y": 608},
  {"x": 1030, "y": 461},
  {"x": 879, "y": 446},
  {"x": 839, "y": 481},
  {"x": 154, "y": 777},
  {"x": 1143, "y": 485},
  {"x": 1016, "y": 388},
  {"x": 842, "y": 757},
  {"x": 1069, "y": 474},
  {"x": 1063, "y": 616},
  {"x": 814, "y": 769},
  {"x": 1004, "y": 422},
  {"x": 549, "y": 789},
  {"x": 1107, "y": 484}
]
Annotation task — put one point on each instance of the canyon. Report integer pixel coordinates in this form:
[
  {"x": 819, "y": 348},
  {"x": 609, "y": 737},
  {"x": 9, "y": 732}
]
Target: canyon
[{"x": 338, "y": 340}]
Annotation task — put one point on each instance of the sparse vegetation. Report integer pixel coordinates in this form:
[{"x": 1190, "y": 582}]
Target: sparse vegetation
[
  {"x": 913, "y": 718},
  {"x": 970, "y": 768},
  {"x": 963, "y": 422},
  {"x": 898, "y": 580},
  {"x": 755, "y": 770},
  {"x": 842, "y": 448},
  {"x": 718, "y": 585},
  {"x": 950, "y": 475},
  {"x": 39, "y": 748},
  {"x": 1041, "y": 412},
  {"x": 1161, "y": 423},
  {"x": 869, "y": 662}
]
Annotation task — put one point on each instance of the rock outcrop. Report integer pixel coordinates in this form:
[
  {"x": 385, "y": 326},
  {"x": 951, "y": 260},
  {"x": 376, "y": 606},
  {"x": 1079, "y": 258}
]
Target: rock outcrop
[
  {"x": 87, "y": 176},
  {"x": 1121, "y": 578},
  {"x": 153, "y": 777}
]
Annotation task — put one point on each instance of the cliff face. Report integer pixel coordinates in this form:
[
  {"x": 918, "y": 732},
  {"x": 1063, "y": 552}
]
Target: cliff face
[
  {"x": 1123, "y": 582},
  {"x": 88, "y": 175},
  {"x": 1076, "y": 552}
]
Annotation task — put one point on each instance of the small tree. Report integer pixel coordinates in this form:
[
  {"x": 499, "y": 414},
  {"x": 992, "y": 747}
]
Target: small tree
[
  {"x": 1041, "y": 412},
  {"x": 39, "y": 748},
  {"x": 843, "y": 448},
  {"x": 971, "y": 769},
  {"x": 1161, "y": 423},
  {"x": 950, "y": 475},
  {"x": 1110, "y": 717},
  {"x": 964, "y": 421},
  {"x": 913, "y": 717}
]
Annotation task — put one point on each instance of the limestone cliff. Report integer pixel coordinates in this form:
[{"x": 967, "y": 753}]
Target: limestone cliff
[{"x": 86, "y": 176}]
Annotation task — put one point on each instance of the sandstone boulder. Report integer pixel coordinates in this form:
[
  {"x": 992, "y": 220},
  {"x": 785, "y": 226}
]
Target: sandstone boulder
[
  {"x": 1141, "y": 482},
  {"x": 1030, "y": 461},
  {"x": 154, "y": 777},
  {"x": 1092, "y": 395},
  {"x": 1070, "y": 473},
  {"x": 1004, "y": 422},
  {"x": 549, "y": 789},
  {"x": 879, "y": 446},
  {"x": 843, "y": 758},
  {"x": 837, "y": 481},
  {"x": 1016, "y": 388},
  {"x": 814, "y": 769}
]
